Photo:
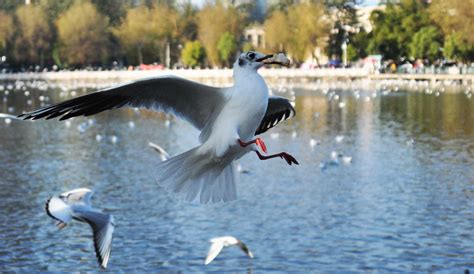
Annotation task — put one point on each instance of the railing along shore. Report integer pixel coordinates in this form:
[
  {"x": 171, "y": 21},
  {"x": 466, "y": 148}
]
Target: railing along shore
[{"x": 225, "y": 75}]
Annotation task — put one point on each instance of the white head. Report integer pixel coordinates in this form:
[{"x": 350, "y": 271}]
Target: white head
[{"x": 255, "y": 60}]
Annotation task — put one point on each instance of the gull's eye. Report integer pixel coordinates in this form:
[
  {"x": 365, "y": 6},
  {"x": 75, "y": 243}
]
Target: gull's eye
[{"x": 251, "y": 55}]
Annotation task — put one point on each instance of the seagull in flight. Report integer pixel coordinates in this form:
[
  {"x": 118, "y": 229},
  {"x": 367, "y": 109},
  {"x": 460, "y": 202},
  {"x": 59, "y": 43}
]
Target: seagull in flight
[
  {"x": 76, "y": 205},
  {"x": 228, "y": 118},
  {"x": 219, "y": 243},
  {"x": 163, "y": 154}
]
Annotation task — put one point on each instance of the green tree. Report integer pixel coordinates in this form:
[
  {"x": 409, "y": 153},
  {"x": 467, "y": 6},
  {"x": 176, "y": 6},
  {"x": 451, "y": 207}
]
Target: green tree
[
  {"x": 394, "y": 28},
  {"x": 11, "y": 5},
  {"x": 114, "y": 9},
  {"x": 213, "y": 21},
  {"x": 188, "y": 22},
  {"x": 456, "y": 19},
  {"x": 145, "y": 32},
  {"x": 136, "y": 33},
  {"x": 358, "y": 45},
  {"x": 426, "y": 44},
  {"x": 192, "y": 53},
  {"x": 298, "y": 31},
  {"x": 165, "y": 23},
  {"x": 83, "y": 34},
  {"x": 352, "y": 53},
  {"x": 456, "y": 48},
  {"x": 6, "y": 30},
  {"x": 344, "y": 15},
  {"x": 309, "y": 29},
  {"x": 277, "y": 33},
  {"x": 34, "y": 35},
  {"x": 454, "y": 16},
  {"x": 54, "y": 8},
  {"x": 383, "y": 39},
  {"x": 227, "y": 46}
]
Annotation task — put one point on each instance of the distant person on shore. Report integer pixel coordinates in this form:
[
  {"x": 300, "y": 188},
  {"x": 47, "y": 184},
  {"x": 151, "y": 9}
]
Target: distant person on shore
[{"x": 393, "y": 68}]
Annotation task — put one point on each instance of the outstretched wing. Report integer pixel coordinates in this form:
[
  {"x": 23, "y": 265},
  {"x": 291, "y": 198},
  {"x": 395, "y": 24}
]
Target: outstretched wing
[
  {"x": 190, "y": 100},
  {"x": 79, "y": 195},
  {"x": 102, "y": 228},
  {"x": 214, "y": 250},
  {"x": 278, "y": 109}
]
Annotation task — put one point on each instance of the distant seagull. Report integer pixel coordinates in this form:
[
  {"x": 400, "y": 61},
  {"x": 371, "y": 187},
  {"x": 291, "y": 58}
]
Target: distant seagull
[
  {"x": 219, "y": 243},
  {"x": 243, "y": 170},
  {"x": 228, "y": 119},
  {"x": 339, "y": 138},
  {"x": 313, "y": 142},
  {"x": 347, "y": 160},
  {"x": 76, "y": 205},
  {"x": 163, "y": 154}
]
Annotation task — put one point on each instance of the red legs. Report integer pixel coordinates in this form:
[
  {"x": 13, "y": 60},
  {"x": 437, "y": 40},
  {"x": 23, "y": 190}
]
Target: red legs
[
  {"x": 61, "y": 225},
  {"x": 259, "y": 142},
  {"x": 288, "y": 158}
]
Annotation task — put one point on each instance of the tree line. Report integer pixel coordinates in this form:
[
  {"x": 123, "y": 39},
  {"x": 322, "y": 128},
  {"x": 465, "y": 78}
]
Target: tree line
[
  {"x": 417, "y": 29},
  {"x": 79, "y": 33}
]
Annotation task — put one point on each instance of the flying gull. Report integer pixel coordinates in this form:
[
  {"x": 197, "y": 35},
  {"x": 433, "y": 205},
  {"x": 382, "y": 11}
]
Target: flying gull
[
  {"x": 76, "y": 205},
  {"x": 163, "y": 154},
  {"x": 228, "y": 119},
  {"x": 219, "y": 243}
]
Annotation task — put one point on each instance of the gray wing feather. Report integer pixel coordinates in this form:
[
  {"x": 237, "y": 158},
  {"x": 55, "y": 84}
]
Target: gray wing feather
[
  {"x": 278, "y": 109},
  {"x": 102, "y": 227},
  {"x": 192, "y": 101}
]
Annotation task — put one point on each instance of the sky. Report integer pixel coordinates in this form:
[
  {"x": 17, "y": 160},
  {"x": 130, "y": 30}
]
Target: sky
[{"x": 370, "y": 2}]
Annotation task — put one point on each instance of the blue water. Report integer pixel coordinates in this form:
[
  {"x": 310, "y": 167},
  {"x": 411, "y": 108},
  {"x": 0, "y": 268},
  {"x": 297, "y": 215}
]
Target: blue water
[{"x": 405, "y": 203}]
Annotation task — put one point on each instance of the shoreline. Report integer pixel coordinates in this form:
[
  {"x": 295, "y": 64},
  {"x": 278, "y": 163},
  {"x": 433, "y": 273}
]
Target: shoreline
[
  {"x": 295, "y": 77},
  {"x": 185, "y": 73}
]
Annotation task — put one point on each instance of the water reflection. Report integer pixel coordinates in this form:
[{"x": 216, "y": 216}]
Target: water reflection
[{"x": 405, "y": 203}]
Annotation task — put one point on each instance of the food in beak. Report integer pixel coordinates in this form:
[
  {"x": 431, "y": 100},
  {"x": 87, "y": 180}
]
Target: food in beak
[{"x": 279, "y": 59}]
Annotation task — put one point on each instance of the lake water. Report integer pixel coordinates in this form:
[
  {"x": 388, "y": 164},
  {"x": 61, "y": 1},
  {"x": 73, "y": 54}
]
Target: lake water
[{"x": 405, "y": 202}]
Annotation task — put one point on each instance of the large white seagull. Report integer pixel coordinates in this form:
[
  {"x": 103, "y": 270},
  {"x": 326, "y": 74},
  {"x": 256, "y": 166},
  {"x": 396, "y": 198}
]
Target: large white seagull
[{"x": 228, "y": 118}]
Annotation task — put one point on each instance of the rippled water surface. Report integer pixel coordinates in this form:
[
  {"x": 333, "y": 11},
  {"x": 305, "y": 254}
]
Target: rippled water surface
[{"x": 405, "y": 203}]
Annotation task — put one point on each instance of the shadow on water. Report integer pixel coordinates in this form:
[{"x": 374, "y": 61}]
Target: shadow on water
[{"x": 403, "y": 203}]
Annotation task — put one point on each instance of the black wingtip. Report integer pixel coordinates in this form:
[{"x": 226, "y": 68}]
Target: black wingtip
[
  {"x": 49, "y": 212},
  {"x": 23, "y": 116},
  {"x": 100, "y": 259}
]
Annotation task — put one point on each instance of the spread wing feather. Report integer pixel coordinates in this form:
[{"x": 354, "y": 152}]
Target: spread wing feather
[
  {"x": 278, "y": 109},
  {"x": 103, "y": 228},
  {"x": 190, "y": 100}
]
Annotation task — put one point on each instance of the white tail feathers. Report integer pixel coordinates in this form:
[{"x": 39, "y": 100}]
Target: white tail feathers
[{"x": 197, "y": 176}]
